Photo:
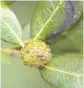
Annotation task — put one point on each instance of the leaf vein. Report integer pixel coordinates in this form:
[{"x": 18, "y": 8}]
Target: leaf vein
[
  {"x": 64, "y": 72},
  {"x": 20, "y": 42},
  {"x": 56, "y": 9}
]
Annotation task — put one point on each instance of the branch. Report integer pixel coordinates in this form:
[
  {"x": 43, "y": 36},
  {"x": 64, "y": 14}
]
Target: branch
[{"x": 11, "y": 52}]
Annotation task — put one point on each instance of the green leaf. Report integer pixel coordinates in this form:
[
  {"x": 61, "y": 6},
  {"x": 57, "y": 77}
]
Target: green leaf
[
  {"x": 49, "y": 16},
  {"x": 10, "y": 27},
  {"x": 64, "y": 71},
  {"x": 71, "y": 41},
  {"x": 46, "y": 18}
]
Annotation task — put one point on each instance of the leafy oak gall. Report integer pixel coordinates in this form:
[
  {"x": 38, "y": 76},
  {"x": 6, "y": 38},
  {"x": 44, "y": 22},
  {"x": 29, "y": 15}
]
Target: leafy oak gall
[{"x": 35, "y": 53}]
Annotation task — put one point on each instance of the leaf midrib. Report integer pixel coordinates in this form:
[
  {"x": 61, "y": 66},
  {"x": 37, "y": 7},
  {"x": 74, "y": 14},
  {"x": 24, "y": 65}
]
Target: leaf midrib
[
  {"x": 19, "y": 40},
  {"x": 64, "y": 72},
  {"x": 46, "y": 23}
]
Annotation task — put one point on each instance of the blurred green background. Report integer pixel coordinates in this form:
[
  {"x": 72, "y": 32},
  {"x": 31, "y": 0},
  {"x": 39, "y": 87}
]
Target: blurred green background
[{"x": 14, "y": 74}]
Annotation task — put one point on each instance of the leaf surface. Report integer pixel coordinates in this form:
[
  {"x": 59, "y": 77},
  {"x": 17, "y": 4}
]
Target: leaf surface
[
  {"x": 46, "y": 18},
  {"x": 64, "y": 71},
  {"x": 71, "y": 41},
  {"x": 49, "y": 16},
  {"x": 10, "y": 27}
]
